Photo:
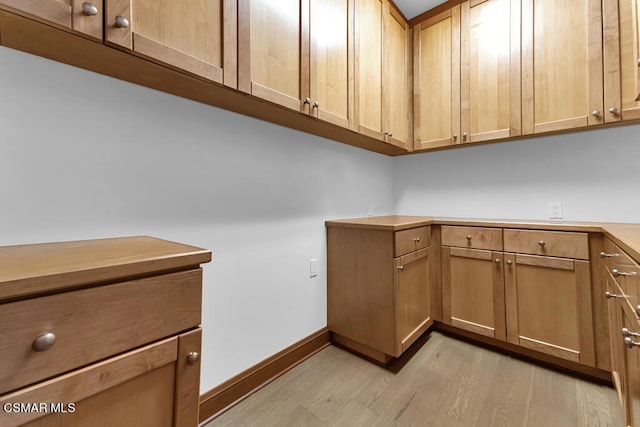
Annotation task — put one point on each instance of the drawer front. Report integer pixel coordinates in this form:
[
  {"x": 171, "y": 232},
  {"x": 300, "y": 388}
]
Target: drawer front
[
  {"x": 562, "y": 244},
  {"x": 624, "y": 271},
  {"x": 472, "y": 237},
  {"x": 93, "y": 324},
  {"x": 410, "y": 240}
]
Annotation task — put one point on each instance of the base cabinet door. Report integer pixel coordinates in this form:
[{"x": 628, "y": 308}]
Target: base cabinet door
[
  {"x": 548, "y": 306},
  {"x": 152, "y": 386},
  {"x": 473, "y": 291},
  {"x": 412, "y": 298}
]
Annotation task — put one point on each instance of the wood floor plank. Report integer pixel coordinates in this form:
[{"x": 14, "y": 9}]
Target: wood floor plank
[{"x": 442, "y": 382}]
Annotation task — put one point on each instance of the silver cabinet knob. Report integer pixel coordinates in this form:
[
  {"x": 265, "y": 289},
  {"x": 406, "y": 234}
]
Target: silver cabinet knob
[
  {"x": 390, "y": 135},
  {"x": 464, "y": 136},
  {"x": 316, "y": 104},
  {"x": 542, "y": 243},
  {"x": 595, "y": 113},
  {"x": 455, "y": 136},
  {"x": 386, "y": 133},
  {"x": 193, "y": 357},
  {"x": 89, "y": 9},
  {"x": 609, "y": 295},
  {"x": 638, "y": 62},
  {"x": 497, "y": 260},
  {"x": 606, "y": 255},
  {"x": 469, "y": 237},
  {"x": 307, "y": 101},
  {"x": 122, "y": 22},
  {"x": 509, "y": 262},
  {"x": 416, "y": 239},
  {"x": 613, "y": 110},
  {"x": 44, "y": 342},
  {"x": 627, "y": 333},
  {"x": 401, "y": 267},
  {"x": 629, "y": 343}
]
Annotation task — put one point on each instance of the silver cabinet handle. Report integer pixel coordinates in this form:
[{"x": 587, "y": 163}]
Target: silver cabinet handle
[
  {"x": 400, "y": 267},
  {"x": 609, "y": 295},
  {"x": 455, "y": 136},
  {"x": 464, "y": 136},
  {"x": 307, "y": 101},
  {"x": 122, "y": 22},
  {"x": 629, "y": 343},
  {"x": 606, "y": 255},
  {"x": 509, "y": 262},
  {"x": 44, "y": 342},
  {"x": 613, "y": 110},
  {"x": 316, "y": 105},
  {"x": 193, "y": 357},
  {"x": 89, "y": 9},
  {"x": 415, "y": 239},
  {"x": 497, "y": 261},
  {"x": 627, "y": 333},
  {"x": 595, "y": 113},
  {"x": 542, "y": 243},
  {"x": 617, "y": 273}
]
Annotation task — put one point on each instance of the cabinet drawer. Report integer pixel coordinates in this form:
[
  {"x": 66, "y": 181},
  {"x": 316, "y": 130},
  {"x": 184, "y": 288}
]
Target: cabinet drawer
[
  {"x": 412, "y": 239},
  {"x": 472, "y": 237},
  {"x": 93, "y": 324},
  {"x": 624, "y": 271},
  {"x": 549, "y": 243}
]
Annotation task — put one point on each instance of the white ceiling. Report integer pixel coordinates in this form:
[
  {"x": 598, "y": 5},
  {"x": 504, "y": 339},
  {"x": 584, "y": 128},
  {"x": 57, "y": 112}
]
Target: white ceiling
[{"x": 413, "y": 8}]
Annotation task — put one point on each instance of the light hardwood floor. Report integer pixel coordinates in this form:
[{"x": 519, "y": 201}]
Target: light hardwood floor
[{"x": 445, "y": 382}]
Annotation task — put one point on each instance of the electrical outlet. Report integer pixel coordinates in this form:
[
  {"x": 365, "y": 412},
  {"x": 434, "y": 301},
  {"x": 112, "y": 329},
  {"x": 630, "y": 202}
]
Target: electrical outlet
[
  {"x": 369, "y": 209},
  {"x": 555, "y": 210},
  {"x": 313, "y": 267}
]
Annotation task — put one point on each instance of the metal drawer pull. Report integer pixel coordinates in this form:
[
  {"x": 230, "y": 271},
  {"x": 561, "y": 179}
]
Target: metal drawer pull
[
  {"x": 468, "y": 236},
  {"x": 542, "y": 243},
  {"x": 509, "y": 262},
  {"x": 415, "y": 239},
  {"x": 617, "y": 273},
  {"x": 44, "y": 342},
  {"x": 193, "y": 357},
  {"x": 610, "y": 295},
  {"x": 629, "y": 343},
  {"x": 627, "y": 333},
  {"x": 400, "y": 267},
  {"x": 606, "y": 255},
  {"x": 89, "y": 9}
]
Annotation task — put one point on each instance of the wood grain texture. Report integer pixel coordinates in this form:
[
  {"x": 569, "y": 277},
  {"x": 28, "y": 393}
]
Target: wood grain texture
[
  {"x": 547, "y": 243},
  {"x": 98, "y": 378},
  {"x": 122, "y": 316},
  {"x": 472, "y": 237},
  {"x": 397, "y": 65},
  {"x": 629, "y": 44},
  {"x": 443, "y": 382},
  {"x": 411, "y": 240},
  {"x": 187, "y": 380},
  {"x": 114, "y": 36},
  {"x": 56, "y": 11},
  {"x": 599, "y": 303},
  {"x": 87, "y": 25},
  {"x": 47, "y": 267}
]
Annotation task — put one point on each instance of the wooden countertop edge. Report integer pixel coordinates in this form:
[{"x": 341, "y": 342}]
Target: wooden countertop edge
[
  {"x": 84, "y": 276},
  {"x": 627, "y": 236}
]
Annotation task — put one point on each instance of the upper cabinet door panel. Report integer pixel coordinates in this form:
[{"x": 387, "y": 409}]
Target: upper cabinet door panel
[
  {"x": 269, "y": 53},
  {"x": 622, "y": 59},
  {"x": 79, "y": 15},
  {"x": 329, "y": 28},
  {"x": 562, "y": 64},
  {"x": 490, "y": 70},
  {"x": 368, "y": 33},
  {"x": 437, "y": 80},
  {"x": 187, "y": 34},
  {"x": 397, "y": 70}
]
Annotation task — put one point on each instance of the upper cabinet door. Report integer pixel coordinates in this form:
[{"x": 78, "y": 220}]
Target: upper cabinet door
[
  {"x": 396, "y": 90},
  {"x": 331, "y": 61},
  {"x": 189, "y": 35},
  {"x": 368, "y": 66},
  {"x": 82, "y": 16},
  {"x": 490, "y": 61},
  {"x": 561, "y": 64},
  {"x": 272, "y": 46},
  {"x": 436, "y": 79},
  {"x": 621, "y": 59}
]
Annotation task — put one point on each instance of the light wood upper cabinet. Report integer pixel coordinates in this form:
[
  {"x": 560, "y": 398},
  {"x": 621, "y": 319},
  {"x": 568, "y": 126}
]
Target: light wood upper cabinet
[
  {"x": 621, "y": 59},
  {"x": 436, "y": 84},
  {"x": 331, "y": 62},
  {"x": 272, "y": 41},
  {"x": 197, "y": 36},
  {"x": 490, "y": 70},
  {"x": 561, "y": 65},
  {"x": 82, "y": 16},
  {"x": 382, "y": 68}
]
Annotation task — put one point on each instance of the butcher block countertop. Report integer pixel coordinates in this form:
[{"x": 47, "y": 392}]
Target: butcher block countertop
[
  {"x": 27, "y": 270},
  {"x": 627, "y": 236}
]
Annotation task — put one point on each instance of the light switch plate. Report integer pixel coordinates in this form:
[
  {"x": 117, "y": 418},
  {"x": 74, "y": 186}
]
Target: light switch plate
[{"x": 313, "y": 267}]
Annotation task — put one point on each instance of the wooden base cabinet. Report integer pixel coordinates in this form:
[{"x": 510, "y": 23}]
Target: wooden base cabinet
[
  {"x": 378, "y": 285},
  {"x": 98, "y": 334}
]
